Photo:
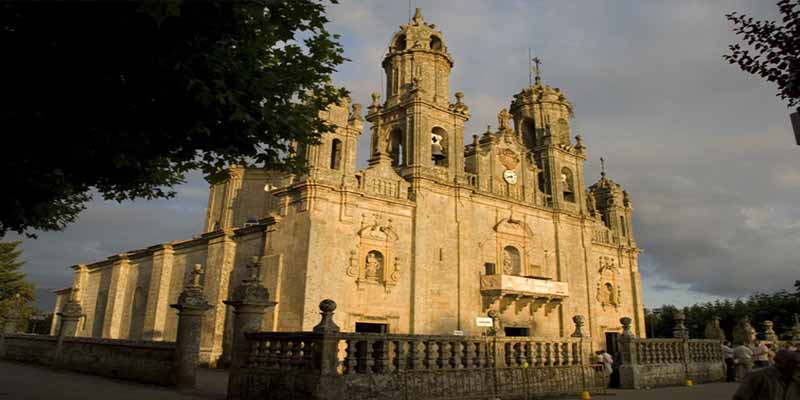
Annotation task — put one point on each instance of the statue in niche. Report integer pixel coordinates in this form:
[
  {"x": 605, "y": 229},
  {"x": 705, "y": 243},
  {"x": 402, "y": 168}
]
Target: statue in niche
[
  {"x": 508, "y": 266},
  {"x": 511, "y": 261},
  {"x": 609, "y": 294},
  {"x": 373, "y": 266}
]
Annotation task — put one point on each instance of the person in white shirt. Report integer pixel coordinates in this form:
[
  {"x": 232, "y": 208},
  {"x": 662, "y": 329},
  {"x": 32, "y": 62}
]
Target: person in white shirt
[
  {"x": 608, "y": 362},
  {"x": 743, "y": 359}
]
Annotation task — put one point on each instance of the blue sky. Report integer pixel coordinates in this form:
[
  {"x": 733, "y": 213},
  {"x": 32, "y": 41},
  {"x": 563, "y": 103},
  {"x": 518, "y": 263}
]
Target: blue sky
[{"x": 705, "y": 149}]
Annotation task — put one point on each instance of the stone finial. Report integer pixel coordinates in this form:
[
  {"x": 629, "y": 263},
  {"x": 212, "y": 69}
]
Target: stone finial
[
  {"x": 796, "y": 328},
  {"x": 626, "y": 327},
  {"x": 743, "y": 332},
  {"x": 680, "y": 331},
  {"x": 579, "y": 143},
  {"x": 459, "y": 98},
  {"x": 713, "y": 330},
  {"x": 578, "y": 320},
  {"x": 418, "y": 17},
  {"x": 251, "y": 291},
  {"x": 376, "y": 101},
  {"x": 326, "y": 325},
  {"x": 769, "y": 333},
  {"x": 192, "y": 296}
]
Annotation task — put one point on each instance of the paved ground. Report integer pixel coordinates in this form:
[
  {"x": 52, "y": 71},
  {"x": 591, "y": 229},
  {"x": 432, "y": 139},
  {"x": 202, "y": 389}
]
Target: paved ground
[{"x": 29, "y": 382}]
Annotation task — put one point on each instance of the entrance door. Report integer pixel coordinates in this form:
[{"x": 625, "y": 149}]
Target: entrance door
[
  {"x": 612, "y": 347},
  {"x": 516, "y": 331},
  {"x": 369, "y": 327}
]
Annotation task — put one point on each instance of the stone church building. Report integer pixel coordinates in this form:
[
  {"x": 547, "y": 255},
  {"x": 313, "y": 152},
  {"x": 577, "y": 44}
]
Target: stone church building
[{"x": 432, "y": 234}]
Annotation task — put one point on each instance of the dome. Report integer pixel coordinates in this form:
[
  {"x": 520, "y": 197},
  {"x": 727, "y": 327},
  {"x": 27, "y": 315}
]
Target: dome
[{"x": 418, "y": 36}]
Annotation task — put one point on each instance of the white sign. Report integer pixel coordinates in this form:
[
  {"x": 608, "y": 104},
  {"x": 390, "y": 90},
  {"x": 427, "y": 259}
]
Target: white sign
[
  {"x": 458, "y": 333},
  {"x": 484, "y": 322}
]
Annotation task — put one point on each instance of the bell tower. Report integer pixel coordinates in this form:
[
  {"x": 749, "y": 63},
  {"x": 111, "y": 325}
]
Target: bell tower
[
  {"x": 416, "y": 129},
  {"x": 541, "y": 120}
]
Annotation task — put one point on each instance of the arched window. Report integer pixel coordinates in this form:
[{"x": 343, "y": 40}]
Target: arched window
[
  {"x": 396, "y": 147},
  {"x": 336, "y": 154},
  {"x": 512, "y": 262},
  {"x": 439, "y": 147},
  {"x": 400, "y": 43},
  {"x": 436, "y": 43},
  {"x": 529, "y": 133},
  {"x": 568, "y": 185}
]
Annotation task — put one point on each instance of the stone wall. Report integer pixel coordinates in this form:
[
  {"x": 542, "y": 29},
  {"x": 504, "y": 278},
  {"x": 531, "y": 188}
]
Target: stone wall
[
  {"x": 147, "y": 362},
  {"x": 670, "y": 362}
]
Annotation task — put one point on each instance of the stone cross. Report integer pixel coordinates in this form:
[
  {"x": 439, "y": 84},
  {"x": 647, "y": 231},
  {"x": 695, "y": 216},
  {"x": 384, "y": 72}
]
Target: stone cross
[{"x": 537, "y": 69}]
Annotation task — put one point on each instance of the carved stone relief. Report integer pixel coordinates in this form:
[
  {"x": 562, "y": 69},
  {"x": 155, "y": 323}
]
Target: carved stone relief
[
  {"x": 373, "y": 260},
  {"x": 608, "y": 291}
]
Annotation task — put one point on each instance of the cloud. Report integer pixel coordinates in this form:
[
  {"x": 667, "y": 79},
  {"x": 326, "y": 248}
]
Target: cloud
[{"x": 704, "y": 149}]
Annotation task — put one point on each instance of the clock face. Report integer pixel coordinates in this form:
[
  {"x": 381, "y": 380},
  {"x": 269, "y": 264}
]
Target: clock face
[{"x": 510, "y": 176}]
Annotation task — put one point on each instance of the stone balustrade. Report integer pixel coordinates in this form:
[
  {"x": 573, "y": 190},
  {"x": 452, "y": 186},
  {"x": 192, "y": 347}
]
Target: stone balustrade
[
  {"x": 328, "y": 364},
  {"x": 603, "y": 235}
]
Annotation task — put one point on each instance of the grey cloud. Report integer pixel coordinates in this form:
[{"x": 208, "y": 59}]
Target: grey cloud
[{"x": 703, "y": 148}]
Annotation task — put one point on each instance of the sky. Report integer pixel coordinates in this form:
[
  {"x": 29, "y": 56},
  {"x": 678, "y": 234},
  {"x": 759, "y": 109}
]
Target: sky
[{"x": 704, "y": 149}]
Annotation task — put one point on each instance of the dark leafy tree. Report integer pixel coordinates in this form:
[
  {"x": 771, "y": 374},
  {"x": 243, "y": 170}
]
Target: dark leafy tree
[
  {"x": 773, "y": 49},
  {"x": 122, "y": 98},
  {"x": 15, "y": 292}
]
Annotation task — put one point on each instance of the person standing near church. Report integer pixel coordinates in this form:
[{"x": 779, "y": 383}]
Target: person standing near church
[
  {"x": 743, "y": 360},
  {"x": 776, "y": 382}
]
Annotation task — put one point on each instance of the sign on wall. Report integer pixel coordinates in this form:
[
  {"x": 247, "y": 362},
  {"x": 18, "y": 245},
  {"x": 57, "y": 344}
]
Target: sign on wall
[{"x": 483, "y": 322}]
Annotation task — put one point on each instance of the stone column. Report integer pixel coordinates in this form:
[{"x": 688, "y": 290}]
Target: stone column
[
  {"x": 680, "y": 331},
  {"x": 329, "y": 343},
  {"x": 249, "y": 301},
  {"x": 191, "y": 306}
]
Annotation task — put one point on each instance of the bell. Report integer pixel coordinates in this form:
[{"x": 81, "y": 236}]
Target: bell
[
  {"x": 436, "y": 152},
  {"x": 436, "y": 148}
]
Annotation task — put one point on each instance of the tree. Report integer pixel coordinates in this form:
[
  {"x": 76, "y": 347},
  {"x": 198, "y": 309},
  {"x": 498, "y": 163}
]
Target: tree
[
  {"x": 15, "y": 291},
  {"x": 775, "y": 49},
  {"x": 124, "y": 98}
]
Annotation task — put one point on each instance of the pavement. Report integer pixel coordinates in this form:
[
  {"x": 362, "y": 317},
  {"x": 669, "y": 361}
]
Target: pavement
[{"x": 20, "y": 381}]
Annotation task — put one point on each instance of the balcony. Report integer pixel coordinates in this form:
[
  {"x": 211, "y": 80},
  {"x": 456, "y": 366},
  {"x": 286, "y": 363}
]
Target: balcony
[{"x": 501, "y": 291}]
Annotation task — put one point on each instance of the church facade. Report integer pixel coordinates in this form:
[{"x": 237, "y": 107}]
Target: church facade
[{"x": 432, "y": 234}]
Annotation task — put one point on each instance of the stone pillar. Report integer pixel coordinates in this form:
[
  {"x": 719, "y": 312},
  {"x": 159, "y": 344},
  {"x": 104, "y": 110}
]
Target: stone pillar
[
  {"x": 628, "y": 370},
  {"x": 680, "y": 331},
  {"x": 191, "y": 306},
  {"x": 585, "y": 350},
  {"x": 157, "y": 307},
  {"x": 112, "y": 323},
  {"x": 769, "y": 333},
  {"x": 249, "y": 301},
  {"x": 329, "y": 343},
  {"x": 220, "y": 257},
  {"x": 70, "y": 316}
]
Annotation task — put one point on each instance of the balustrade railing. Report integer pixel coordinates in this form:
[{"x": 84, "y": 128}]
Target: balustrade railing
[{"x": 362, "y": 353}]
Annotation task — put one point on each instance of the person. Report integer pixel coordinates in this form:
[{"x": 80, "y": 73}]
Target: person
[
  {"x": 760, "y": 354},
  {"x": 771, "y": 353},
  {"x": 776, "y": 382},
  {"x": 727, "y": 352},
  {"x": 608, "y": 363},
  {"x": 743, "y": 360}
]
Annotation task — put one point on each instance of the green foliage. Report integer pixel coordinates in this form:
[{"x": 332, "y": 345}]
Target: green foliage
[
  {"x": 15, "y": 291},
  {"x": 124, "y": 98},
  {"x": 778, "y": 307},
  {"x": 774, "y": 52}
]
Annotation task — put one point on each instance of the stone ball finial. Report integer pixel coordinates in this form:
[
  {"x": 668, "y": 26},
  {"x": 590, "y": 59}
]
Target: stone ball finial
[
  {"x": 326, "y": 325},
  {"x": 626, "y": 326},
  {"x": 327, "y": 305},
  {"x": 459, "y": 97}
]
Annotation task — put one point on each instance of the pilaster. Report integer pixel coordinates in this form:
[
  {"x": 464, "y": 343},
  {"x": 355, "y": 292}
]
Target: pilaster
[
  {"x": 219, "y": 264},
  {"x": 116, "y": 296},
  {"x": 158, "y": 292}
]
